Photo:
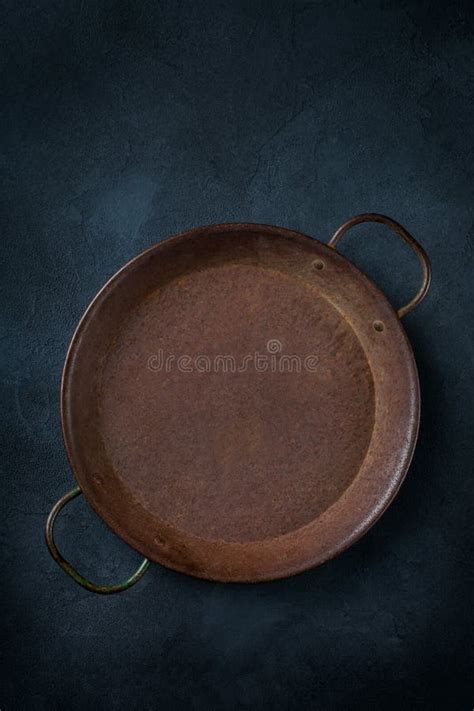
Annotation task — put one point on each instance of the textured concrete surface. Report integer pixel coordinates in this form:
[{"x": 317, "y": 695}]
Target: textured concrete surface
[{"x": 124, "y": 122}]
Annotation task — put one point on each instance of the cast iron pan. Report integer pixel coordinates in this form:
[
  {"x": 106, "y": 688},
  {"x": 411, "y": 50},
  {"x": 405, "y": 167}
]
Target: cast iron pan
[{"x": 240, "y": 403}]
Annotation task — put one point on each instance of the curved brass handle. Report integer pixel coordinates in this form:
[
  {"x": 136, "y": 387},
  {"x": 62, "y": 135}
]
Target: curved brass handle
[
  {"x": 406, "y": 236},
  {"x": 68, "y": 568}
]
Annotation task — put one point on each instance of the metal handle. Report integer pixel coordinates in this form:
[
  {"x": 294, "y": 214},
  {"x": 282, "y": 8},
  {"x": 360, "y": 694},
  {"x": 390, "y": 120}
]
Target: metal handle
[
  {"x": 406, "y": 236},
  {"x": 68, "y": 568}
]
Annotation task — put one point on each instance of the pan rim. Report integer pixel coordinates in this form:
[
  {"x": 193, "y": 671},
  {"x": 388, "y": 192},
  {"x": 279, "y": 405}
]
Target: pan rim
[{"x": 68, "y": 374}]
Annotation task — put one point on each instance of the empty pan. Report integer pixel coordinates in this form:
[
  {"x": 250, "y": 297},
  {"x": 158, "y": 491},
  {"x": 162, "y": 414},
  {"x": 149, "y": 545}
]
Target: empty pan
[{"x": 240, "y": 402}]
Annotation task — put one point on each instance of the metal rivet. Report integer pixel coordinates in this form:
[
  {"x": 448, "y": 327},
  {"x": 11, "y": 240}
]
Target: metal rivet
[{"x": 160, "y": 541}]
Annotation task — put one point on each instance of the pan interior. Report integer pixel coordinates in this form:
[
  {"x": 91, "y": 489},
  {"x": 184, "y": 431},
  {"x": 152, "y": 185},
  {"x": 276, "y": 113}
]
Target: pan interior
[{"x": 236, "y": 403}]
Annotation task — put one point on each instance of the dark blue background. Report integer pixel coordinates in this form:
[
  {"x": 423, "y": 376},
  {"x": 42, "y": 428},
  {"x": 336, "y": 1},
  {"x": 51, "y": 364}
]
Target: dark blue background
[{"x": 123, "y": 122}]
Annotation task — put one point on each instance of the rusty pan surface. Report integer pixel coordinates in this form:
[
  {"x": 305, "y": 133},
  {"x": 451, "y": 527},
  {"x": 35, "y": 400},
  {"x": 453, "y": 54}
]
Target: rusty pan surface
[{"x": 240, "y": 403}]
